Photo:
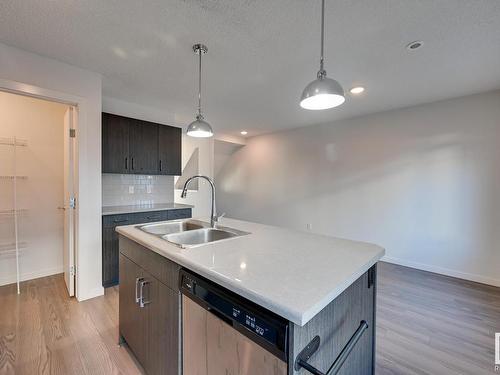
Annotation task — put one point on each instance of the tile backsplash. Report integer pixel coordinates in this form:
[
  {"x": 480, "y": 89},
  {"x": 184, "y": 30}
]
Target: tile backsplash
[{"x": 132, "y": 189}]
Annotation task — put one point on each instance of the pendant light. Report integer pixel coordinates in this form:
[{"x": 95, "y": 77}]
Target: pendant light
[
  {"x": 199, "y": 128},
  {"x": 323, "y": 92}
]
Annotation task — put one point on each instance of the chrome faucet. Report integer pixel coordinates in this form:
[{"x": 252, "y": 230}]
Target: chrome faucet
[{"x": 213, "y": 216}]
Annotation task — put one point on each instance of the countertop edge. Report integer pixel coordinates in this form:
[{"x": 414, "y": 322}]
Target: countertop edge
[{"x": 145, "y": 209}]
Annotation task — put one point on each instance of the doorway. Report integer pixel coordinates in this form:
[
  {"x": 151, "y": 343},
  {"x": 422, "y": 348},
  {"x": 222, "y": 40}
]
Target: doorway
[{"x": 37, "y": 189}]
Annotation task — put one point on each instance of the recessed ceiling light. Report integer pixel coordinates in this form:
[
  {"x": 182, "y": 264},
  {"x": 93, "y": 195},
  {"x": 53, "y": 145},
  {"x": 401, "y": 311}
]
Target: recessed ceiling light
[
  {"x": 414, "y": 45},
  {"x": 357, "y": 90},
  {"x": 243, "y": 132}
]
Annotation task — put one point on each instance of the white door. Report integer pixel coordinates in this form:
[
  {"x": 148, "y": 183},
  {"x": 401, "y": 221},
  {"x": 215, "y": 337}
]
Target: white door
[{"x": 69, "y": 200}]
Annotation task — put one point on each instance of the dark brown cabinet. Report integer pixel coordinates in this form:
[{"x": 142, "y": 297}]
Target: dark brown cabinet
[
  {"x": 164, "y": 313},
  {"x": 133, "y": 322},
  {"x": 131, "y": 146},
  {"x": 143, "y": 147},
  {"x": 110, "y": 269},
  {"x": 169, "y": 150},
  {"x": 115, "y": 144},
  {"x": 149, "y": 311}
]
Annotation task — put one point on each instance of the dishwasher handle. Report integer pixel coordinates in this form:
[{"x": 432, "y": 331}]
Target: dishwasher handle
[{"x": 313, "y": 346}]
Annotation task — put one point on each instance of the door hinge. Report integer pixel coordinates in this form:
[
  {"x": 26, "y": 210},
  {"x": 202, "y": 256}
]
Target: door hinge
[
  {"x": 72, "y": 133},
  {"x": 72, "y": 202},
  {"x": 72, "y": 271}
]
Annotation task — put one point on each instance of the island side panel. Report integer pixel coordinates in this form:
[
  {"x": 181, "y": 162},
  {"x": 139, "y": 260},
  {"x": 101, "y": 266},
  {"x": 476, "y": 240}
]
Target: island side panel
[{"x": 335, "y": 325}]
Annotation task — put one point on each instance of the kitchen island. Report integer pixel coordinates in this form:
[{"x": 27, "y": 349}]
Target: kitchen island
[{"x": 322, "y": 286}]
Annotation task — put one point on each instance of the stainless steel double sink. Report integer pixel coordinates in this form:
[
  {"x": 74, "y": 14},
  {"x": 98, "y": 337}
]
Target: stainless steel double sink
[{"x": 190, "y": 232}]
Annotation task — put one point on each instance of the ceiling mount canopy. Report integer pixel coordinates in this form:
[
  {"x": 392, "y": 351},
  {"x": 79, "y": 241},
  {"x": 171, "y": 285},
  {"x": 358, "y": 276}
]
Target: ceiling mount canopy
[
  {"x": 199, "y": 128},
  {"x": 323, "y": 92}
]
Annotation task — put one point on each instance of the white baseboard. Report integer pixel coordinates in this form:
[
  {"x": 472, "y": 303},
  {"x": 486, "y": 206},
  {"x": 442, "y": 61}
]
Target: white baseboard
[
  {"x": 443, "y": 271},
  {"x": 88, "y": 294},
  {"x": 11, "y": 279}
]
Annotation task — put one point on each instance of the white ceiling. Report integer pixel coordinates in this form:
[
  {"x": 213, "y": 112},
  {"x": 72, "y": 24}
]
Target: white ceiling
[{"x": 262, "y": 53}]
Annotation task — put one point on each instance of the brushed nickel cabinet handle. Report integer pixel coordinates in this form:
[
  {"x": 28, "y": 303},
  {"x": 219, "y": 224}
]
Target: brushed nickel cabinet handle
[
  {"x": 143, "y": 303},
  {"x": 137, "y": 280}
]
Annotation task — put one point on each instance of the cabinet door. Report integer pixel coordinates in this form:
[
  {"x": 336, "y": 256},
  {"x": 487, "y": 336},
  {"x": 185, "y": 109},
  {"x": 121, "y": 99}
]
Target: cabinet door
[
  {"x": 109, "y": 257},
  {"x": 115, "y": 144},
  {"x": 179, "y": 214},
  {"x": 164, "y": 316},
  {"x": 336, "y": 323},
  {"x": 169, "y": 150},
  {"x": 133, "y": 319},
  {"x": 110, "y": 248},
  {"x": 143, "y": 147}
]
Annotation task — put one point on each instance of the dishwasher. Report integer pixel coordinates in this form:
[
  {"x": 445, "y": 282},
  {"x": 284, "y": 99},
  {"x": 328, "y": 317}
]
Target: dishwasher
[{"x": 224, "y": 333}]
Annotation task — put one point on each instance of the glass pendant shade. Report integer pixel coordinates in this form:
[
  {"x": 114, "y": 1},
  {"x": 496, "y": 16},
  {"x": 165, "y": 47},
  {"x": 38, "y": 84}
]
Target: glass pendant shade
[
  {"x": 322, "y": 93},
  {"x": 199, "y": 128}
]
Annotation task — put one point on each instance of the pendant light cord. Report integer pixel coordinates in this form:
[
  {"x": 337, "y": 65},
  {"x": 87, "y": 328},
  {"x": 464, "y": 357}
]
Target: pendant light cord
[
  {"x": 322, "y": 73},
  {"x": 199, "y": 84}
]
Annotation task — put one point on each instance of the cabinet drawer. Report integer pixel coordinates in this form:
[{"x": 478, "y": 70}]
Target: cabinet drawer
[
  {"x": 179, "y": 214},
  {"x": 110, "y": 221},
  {"x": 166, "y": 271},
  {"x": 148, "y": 217}
]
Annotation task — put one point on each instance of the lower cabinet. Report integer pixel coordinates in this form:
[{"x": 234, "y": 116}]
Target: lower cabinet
[
  {"x": 110, "y": 275},
  {"x": 149, "y": 319}
]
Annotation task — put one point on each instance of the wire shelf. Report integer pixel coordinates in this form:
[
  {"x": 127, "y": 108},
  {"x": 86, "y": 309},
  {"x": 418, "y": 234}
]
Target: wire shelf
[
  {"x": 10, "y": 248},
  {"x": 10, "y": 177},
  {"x": 13, "y": 142},
  {"x": 12, "y": 212}
]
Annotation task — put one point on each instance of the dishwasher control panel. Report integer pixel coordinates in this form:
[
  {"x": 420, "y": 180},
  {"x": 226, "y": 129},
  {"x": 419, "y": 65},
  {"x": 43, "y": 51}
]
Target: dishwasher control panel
[{"x": 257, "y": 323}]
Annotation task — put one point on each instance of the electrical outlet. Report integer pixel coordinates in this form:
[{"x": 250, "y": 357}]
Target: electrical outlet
[
  {"x": 309, "y": 226},
  {"x": 149, "y": 188},
  {"x": 131, "y": 189}
]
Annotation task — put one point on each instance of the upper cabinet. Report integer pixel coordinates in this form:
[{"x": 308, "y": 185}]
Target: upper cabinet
[
  {"x": 139, "y": 147},
  {"x": 169, "y": 150}
]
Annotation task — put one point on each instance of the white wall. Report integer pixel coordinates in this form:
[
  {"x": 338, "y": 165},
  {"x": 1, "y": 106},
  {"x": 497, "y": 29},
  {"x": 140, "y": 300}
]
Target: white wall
[
  {"x": 123, "y": 108},
  {"x": 423, "y": 182},
  {"x": 38, "y": 74},
  {"x": 41, "y": 123},
  {"x": 200, "y": 199}
]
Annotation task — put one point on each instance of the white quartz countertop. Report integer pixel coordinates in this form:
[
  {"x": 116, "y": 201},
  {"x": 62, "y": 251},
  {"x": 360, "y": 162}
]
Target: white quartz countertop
[
  {"x": 294, "y": 274},
  {"x": 116, "y": 210}
]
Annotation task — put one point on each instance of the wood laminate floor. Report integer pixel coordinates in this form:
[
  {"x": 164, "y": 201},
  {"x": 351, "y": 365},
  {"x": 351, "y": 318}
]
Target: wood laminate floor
[{"x": 426, "y": 324}]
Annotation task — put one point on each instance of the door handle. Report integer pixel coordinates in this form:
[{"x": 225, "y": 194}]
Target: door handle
[
  {"x": 160, "y": 165},
  {"x": 126, "y": 163},
  {"x": 137, "y": 280},
  {"x": 132, "y": 163},
  {"x": 143, "y": 303}
]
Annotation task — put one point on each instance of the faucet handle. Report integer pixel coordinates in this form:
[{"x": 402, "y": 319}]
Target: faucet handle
[{"x": 220, "y": 217}]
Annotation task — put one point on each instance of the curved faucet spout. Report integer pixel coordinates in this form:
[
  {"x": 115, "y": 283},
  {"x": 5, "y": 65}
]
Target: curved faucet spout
[{"x": 213, "y": 215}]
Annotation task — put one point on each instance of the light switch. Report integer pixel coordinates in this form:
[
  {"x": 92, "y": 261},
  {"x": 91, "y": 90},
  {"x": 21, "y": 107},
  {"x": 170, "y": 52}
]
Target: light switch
[
  {"x": 149, "y": 188},
  {"x": 131, "y": 189}
]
